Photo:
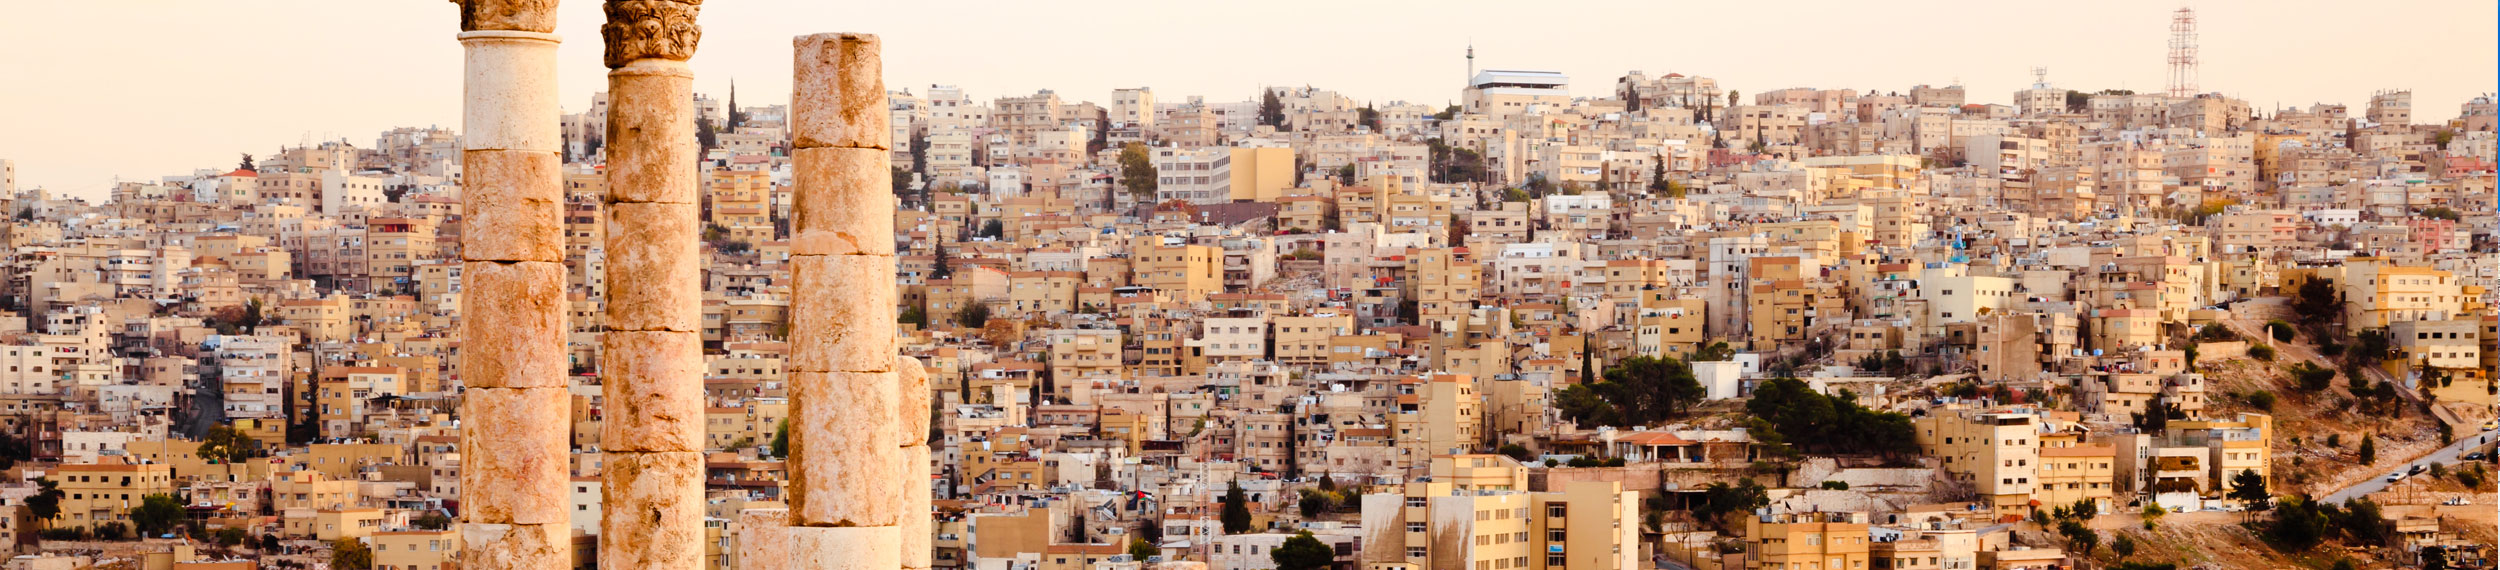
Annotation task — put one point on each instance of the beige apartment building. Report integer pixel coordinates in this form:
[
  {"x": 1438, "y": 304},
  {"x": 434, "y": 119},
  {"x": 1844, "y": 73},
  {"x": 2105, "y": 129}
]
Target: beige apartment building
[
  {"x": 1476, "y": 514},
  {"x": 1998, "y": 453},
  {"x": 415, "y": 549},
  {"x": 1185, "y": 273},
  {"x": 1443, "y": 283},
  {"x": 1807, "y": 541},
  {"x": 94, "y": 494},
  {"x": 742, "y": 205}
]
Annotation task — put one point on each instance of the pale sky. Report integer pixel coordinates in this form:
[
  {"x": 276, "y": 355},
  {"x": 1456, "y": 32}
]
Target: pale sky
[{"x": 91, "y": 90}]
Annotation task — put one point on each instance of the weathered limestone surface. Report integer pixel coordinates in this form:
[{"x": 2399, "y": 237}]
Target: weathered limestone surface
[
  {"x": 516, "y": 546},
  {"x": 516, "y": 413},
  {"x": 513, "y": 206},
  {"x": 844, "y": 548},
  {"x": 513, "y": 452},
  {"x": 911, "y": 413},
  {"x": 652, "y": 351},
  {"x": 842, "y": 317},
  {"x": 510, "y": 95},
  {"x": 844, "y": 421},
  {"x": 648, "y": 407},
  {"x": 648, "y": 144},
  {"x": 655, "y": 268},
  {"x": 915, "y": 500},
  {"x": 859, "y": 483},
  {"x": 911, "y": 410},
  {"x": 513, "y": 325},
  {"x": 852, "y": 211},
  {"x": 837, "y": 97},
  {"x": 652, "y": 510},
  {"x": 764, "y": 539}
]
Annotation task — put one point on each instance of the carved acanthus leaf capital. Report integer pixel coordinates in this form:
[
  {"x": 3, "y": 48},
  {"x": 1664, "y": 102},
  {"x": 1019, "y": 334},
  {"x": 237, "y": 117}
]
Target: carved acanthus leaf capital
[
  {"x": 647, "y": 29},
  {"x": 508, "y": 15}
]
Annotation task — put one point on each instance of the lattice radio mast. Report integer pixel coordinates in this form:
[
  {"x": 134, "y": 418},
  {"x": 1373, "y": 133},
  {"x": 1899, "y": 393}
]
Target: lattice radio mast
[{"x": 2183, "y": 53}]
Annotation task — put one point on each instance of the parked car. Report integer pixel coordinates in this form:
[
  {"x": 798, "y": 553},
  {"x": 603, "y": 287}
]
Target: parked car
[
  {"x": 2416, "y": 470},
  {"x": 2395, "y": 476}
]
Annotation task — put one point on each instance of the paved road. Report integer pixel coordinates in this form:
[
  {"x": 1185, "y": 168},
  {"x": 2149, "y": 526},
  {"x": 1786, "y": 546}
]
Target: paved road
[{"x": 2447, "y": 455}]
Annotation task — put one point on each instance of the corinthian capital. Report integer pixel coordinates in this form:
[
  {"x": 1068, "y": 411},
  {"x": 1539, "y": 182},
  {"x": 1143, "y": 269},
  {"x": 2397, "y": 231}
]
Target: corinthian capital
[
  {"x": 647, "y": 29},
  {"x": 507, "y": 15}
]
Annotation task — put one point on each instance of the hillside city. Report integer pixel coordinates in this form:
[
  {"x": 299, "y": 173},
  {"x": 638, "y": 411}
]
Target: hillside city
[{"x": 1657, "y": 323}]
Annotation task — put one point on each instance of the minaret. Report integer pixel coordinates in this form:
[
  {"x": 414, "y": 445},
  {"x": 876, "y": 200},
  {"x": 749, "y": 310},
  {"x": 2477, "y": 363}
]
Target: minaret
[{"x": 1471, "y": 63}]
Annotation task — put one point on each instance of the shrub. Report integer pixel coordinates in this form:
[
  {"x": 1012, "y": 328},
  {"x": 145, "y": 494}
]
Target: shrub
[
  {"x": 2261, "y": 352},
  {"x": 2282, "y": 331},
  {"x": 2262, "y": 400}
]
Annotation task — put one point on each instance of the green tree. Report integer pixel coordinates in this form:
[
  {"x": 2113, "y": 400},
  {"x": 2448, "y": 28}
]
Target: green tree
[
  {"x": 2249, "y": 489},
  {"x": 350, "y": 554},
  {"x": 1345, "y": 175},
  {"x": 1659, "y": 185},
  {"x": 1637, "y": 391},
  {"x": 1272, "y": 110},
  {"x": 247, "y": 163},
  {"x": 1368, "y": 117},
  {"x": 1140, "y": 550},
  {"x": 2262, "y": 400},
  {"x": 704, "y": 134},
  {"x": 2369, "y": 450},
  {"x": 1518, "y": 452},
  {"x": 1137, "y": 171},
  {"x": 2312, "y": 377},
  {"x": 973, "y": 315},
  {"x": 2441, "y": 213},
  {"x": 112, "y": 531},
  {"x": 939, "y": 267},
  {"x": 1236, "y": 515},
  {"x": 781, "y": 439},
  {"x": 231, "y": 537},
  {"x": 1150, "y": 530},
  {"x": 46, "y": 503},
  {"x": 2317, "y": 303},
  {"x": 157, "y": 514},
  {"x": 2298, "y": 525},
  {"x": 1796, "y": 413},
  {"x": 1303, "y": 552},
  {"x": 224, "y": 444},
  {"x": 2124, "y": 546},
  {"x": 2434, "y": 558},
  {"x": 432, "y": 520},
  {"x": 993, "y": 229},
  {"x": 2280, "y": 330},
  {"x": 2078, "y": 537},
  {"x": 1721, "y": 499}
]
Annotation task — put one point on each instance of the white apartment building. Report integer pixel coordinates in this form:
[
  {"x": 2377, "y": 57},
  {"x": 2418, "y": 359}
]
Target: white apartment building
[{"x": 1196, "y": 176}]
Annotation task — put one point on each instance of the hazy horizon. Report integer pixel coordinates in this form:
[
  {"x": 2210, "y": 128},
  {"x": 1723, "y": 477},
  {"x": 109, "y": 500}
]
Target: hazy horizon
[{"x": 101, "y": 91}]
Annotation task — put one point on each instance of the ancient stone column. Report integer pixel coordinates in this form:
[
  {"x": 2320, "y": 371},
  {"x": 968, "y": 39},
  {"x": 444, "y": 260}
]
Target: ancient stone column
[
  {"x": 651, "y": 355},
  {"x": 849, "y": 407},
  {"x": 515, "y": 413}
]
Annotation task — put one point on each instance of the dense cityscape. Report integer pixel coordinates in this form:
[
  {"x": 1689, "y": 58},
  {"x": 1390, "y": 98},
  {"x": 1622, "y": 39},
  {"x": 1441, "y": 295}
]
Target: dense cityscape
[{"x": 1645, "y": 322}]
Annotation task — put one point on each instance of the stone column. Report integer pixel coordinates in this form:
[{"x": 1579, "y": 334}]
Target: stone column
[
  {"x": 516, "y": 416},
  {"x": 849, "y": 410},
  {"x": 651, "y": 355}
]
